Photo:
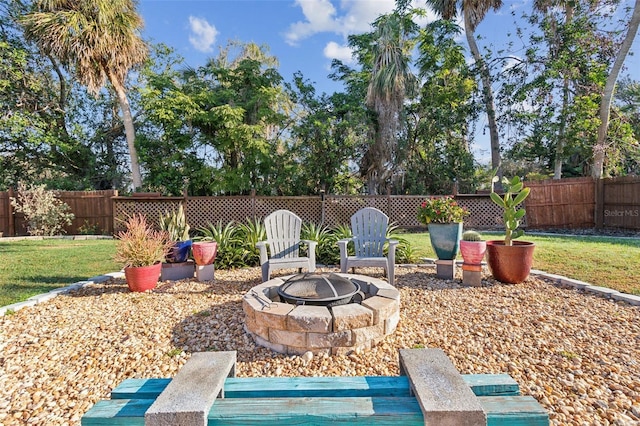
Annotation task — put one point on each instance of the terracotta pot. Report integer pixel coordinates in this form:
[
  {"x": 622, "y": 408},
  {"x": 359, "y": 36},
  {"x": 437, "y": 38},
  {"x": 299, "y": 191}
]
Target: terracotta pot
[
  {"x": 510, "y": 264},
  {"x": 473, "y": 251},
  {"x": 204, "y": 252},
  {"x": 179, "y": 252},
  {"x": 445, "y": 239},
  {"x": 142, "y": 278}
]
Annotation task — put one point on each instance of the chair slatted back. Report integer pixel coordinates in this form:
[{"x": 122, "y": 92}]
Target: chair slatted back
[
  {"x": 283, "y": 234},
  {"x": 369, "y": 229}
]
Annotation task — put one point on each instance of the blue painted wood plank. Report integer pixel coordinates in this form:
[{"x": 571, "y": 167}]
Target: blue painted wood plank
[
  {"x": 264, "y": 387},
  {"x": 514, "y": 411},
  {"x": 501, "y": 411},
  {"x": 128, "y": 412}
]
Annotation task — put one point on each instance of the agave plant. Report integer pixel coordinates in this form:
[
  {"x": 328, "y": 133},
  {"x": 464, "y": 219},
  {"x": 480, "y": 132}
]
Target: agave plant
[
  {"x": 250, "y": 232},
  {"x": 327, "y": 249},
  {"x": 231, "y": 250}
]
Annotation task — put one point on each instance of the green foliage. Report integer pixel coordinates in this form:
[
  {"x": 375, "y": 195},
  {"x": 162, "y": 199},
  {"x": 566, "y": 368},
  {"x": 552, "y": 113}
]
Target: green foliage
[
  {"x": 89, "y": 229},
  {"x": 175, "y": 224},
  {"x": 232, "y": 251},
  {"x": 514, "y": 194},
  {"x": 251, "y": 232},
  {"x": 44, "y": 213},
  {"x": 441, "y": 210},
  {"x": 327, "y": 248},
  {"x": 141, "y": 245}
]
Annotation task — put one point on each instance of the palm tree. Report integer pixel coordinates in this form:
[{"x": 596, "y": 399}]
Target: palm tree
[
  {"x": 607, "y": 96},
  {"x": 96, "y": 40},
  {"x": 473, "y": 12},
  {"x": 391, "y": 80}
]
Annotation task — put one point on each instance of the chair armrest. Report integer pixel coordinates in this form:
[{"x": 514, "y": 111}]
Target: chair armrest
[{"x": 262, "y": 247}]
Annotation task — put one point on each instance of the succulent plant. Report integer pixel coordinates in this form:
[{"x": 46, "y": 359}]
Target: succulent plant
[
  {"x": 471, "y": 236},
  {"x": 175, "y": 224}
]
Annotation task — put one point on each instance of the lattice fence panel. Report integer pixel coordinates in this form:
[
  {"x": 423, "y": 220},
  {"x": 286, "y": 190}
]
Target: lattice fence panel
[
  {"x": 484, "y": 213},
  {"x": 151, "y": 208},
  {"x": 202, "y": 211},
  {"x": 308, "y": 208},
  {"x": 404, "y": 210},
  {"x": 339, "y": 209}
]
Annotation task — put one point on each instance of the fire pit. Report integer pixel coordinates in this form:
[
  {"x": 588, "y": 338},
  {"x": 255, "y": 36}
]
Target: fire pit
[
  {"x": 318, "y": 289},
  {"x": 331, "y": 314}
]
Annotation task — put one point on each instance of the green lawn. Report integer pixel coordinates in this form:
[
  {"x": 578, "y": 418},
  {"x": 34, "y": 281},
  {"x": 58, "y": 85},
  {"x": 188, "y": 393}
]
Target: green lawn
[
  {"x": 30, "y": 267},
  {"x": 605, "y": 261}
]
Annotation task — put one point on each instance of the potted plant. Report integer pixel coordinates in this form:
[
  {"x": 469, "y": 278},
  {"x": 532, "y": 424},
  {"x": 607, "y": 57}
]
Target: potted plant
[
  {"x": 141, "y": 249},
  {"x": 175, "y": 224},
  {"x": 472, "y": 247},
  {"x": 510, "y": 261},
  {"x": 443, "y": 216}
]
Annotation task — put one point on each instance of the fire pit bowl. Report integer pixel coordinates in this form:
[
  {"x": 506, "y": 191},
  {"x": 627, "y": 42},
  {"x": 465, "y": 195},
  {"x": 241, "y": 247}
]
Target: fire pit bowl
[{"x": 318, "y": 289}]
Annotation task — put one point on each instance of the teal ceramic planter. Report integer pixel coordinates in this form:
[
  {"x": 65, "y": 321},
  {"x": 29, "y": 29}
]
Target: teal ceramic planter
[{"x": 445, "y": 239}]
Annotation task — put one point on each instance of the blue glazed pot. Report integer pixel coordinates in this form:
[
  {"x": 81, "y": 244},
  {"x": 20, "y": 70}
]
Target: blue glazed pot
[
  {"x": 179, "y": 252},
  {"x": 445, "y": 239}
]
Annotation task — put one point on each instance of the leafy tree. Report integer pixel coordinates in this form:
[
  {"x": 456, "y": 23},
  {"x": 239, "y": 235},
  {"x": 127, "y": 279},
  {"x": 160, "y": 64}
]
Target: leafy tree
[
  {"x": 437, "y": 148},
  {"x": 96, "y": 40},
  {"x": 473, "y": 13},
  {"x": 324, "y": 138},
  {"x": 607, "y": 96},
  {"x": 391, "y": 81}
]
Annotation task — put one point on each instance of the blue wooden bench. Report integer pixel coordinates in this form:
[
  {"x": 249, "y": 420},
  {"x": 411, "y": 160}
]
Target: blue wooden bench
[{"x": 377, "y": 400}]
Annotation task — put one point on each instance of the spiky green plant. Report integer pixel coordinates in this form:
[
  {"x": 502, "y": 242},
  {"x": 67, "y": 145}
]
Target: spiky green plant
[
  {"x": 250, "y": 232},
  {"x": 175, "y": 224},
  {"x": 231, "y": 250}
]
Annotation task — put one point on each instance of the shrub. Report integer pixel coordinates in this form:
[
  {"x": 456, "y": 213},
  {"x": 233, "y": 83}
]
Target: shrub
[
  {"x": 44, "y": 213},
  {"x": 140, "y": 245}
]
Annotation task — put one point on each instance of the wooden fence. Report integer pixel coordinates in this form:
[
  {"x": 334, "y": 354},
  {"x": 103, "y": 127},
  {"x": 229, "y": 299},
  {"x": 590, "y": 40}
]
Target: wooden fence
[{"x": 567, "y": 203}]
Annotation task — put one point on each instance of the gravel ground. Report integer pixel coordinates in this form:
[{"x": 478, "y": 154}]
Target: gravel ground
[{"x": 576, "y": 353}]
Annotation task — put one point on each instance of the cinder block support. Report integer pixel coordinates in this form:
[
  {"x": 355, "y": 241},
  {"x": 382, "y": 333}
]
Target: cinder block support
[
  {"x": 188, "y": 398},
  {"x": 444, "y": 397},
  {"x": 445, "y": 269},
  {"x": 177, "y": 271},
  {"x": 205, "y": 272},
  {"x": 472, "y": 275}
]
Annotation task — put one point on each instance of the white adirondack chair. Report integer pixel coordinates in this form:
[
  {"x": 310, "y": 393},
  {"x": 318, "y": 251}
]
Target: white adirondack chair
[
  {"x": 369, "y": 229},
  {"x": 283, "y": 245}
]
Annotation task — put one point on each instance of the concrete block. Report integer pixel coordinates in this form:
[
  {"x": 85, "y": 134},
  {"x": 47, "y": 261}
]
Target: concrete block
[
  {"x": 288, "y": 338},
  {"x": 570, "y": 282},
  {"x": 188, "y": 398},
  {"x": 347, "y": 317},
  {"x": 362, "y": 336},
  {"x": 471, "y": 278},
  {"x": 329, "y": 340},
  {"x": 444, "y": 397},
  {"x": 629, "y": 298},
  {"x": 177, "y": 271},
  {"x": 17, "y": 306},
  {"x": 310, "y": 318},
  {"x": 40, "y": 298},
  {"x": 381, "y": 307},
  {"x": 445, "y": 269},
  {"x": 205, "y": 272},
  {"x": 601, "y": 291},
  {"x": 274, "y": 315}
]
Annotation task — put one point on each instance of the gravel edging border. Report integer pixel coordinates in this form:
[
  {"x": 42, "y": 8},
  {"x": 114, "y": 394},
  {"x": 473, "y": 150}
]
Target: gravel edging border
[{"x": 558, "y": 280}]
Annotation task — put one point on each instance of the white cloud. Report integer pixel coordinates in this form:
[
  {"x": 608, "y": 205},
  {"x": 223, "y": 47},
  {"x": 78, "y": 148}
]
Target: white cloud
[
  {"x": 203, "y": 35},
  {"x": 334, "y": 50}
]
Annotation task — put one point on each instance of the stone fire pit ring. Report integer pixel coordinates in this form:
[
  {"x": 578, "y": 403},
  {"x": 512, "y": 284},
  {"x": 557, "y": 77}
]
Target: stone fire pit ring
[{"x": 338, "y": 330}]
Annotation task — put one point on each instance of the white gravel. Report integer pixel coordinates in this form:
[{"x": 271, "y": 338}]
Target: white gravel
[{"x": 578, "y": 354}]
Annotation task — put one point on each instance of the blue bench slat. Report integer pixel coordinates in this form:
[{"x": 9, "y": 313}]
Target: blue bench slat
[
  {"x": 128, "y": 412},
  {"x": 514, "y": 411},
  {"x": 282, "y": 387},
  {"x": 501, "y": 411}
]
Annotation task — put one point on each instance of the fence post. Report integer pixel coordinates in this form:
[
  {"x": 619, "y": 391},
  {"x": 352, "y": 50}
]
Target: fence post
[
  {"x": 253, "y": 203},
  {"x": 598, "y": 214},
  {"x": 12, "y": 221},
  {"x": 322, "y": 207}
]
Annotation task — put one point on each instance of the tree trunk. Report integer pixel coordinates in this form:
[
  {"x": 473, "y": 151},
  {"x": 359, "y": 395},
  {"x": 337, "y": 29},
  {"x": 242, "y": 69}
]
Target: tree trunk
[
  {"x": 487, "y": 95},
  {"x": 605, "y": 104},
  {"x": 129, "y": 131}
]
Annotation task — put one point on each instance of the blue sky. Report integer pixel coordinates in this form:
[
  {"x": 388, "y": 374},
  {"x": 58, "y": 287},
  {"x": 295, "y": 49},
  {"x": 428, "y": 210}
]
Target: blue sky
[{"x": 304, "y": 35}]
